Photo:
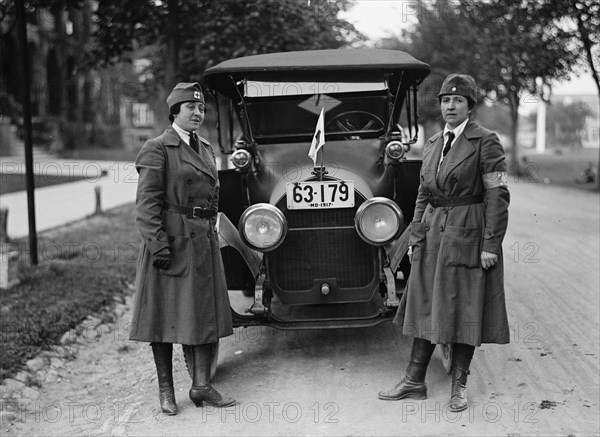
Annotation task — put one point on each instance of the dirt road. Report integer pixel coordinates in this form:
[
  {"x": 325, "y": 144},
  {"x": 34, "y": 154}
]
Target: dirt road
[{"x": 325, "y": 382}]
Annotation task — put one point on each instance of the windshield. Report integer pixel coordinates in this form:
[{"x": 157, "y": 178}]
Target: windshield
[{"x": 351, "y": 115}]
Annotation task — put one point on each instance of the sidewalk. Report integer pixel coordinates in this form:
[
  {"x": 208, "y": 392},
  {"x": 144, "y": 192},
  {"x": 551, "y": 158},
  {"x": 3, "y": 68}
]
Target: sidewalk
[{"x": 59, "y": 204}]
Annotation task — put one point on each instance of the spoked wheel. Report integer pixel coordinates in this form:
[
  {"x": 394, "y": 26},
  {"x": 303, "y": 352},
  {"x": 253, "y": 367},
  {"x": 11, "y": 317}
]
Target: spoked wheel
[
  {"x": 213, "y": 364},
  {"x": 447, "y": 357}
]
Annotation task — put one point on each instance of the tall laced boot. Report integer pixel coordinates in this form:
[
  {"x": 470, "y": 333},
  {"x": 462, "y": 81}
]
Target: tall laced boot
[
  {"x": 201, "y": 390},
  {"x": 462, "y": 356},
  {"x": 163, "y": 358},
  {"x": 413, "y": 385}
]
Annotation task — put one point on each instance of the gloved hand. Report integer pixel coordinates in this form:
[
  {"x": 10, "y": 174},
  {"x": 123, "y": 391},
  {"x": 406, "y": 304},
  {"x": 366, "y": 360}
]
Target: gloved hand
[{"x": 162, "y": 259}]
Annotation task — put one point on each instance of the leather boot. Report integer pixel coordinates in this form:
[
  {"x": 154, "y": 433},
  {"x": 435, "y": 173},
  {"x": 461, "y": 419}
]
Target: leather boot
[
  {"x": 413, "y": 385},
  {"x": 163, "y": 358},
  {"x": 201, "y": 390},
  {"x": 463, "y": 354}
]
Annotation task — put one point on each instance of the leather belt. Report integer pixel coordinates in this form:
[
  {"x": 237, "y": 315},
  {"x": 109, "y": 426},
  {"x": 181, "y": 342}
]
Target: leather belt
[
  {"x": 437, "y": 202},
  {"x": 193, "y": 211}
]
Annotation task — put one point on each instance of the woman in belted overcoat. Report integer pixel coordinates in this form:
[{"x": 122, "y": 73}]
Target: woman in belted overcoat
[
  {"x": 455, "y": 291},
  {"x": 181, "y": 294}
]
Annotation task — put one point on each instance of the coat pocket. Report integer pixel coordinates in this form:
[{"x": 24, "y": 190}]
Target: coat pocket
[
  {"x": 417, "y": 239},
  {"x": 180, "y": 256},
  {"x": 461, "y": 247}
]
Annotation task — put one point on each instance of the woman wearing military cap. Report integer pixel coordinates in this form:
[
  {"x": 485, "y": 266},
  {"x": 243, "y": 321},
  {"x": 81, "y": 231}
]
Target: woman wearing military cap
[
  {"x": 455, "y": 291},
  {"x": 181, "y": 293}
]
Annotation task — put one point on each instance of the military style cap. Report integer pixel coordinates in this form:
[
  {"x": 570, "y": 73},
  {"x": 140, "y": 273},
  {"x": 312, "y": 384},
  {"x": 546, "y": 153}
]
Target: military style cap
[
  {"x": 185, "y": 92},
  {"x": 460, "y": 85}
]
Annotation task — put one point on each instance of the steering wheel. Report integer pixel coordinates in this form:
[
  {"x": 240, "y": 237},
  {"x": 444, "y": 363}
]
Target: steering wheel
[{"x": 354, "y": 121}]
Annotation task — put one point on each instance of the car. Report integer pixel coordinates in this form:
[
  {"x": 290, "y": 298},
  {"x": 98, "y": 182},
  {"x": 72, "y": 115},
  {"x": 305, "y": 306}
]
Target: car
[{"x": 316, "y": 243}]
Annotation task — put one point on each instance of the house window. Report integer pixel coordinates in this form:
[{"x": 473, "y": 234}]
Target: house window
[{"x": 142, "y": 115}]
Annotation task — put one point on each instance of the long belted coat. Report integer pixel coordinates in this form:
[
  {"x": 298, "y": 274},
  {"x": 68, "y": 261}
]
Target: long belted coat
[
  {"x": 187, "y": 303},
  {"x": 449, "y": 297}
]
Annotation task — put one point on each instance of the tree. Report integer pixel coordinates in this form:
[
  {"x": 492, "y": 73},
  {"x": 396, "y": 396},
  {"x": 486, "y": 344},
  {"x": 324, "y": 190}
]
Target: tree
[
  {"x": 581, "y": 19},
  {"x": 511, "y": 48},
  {"x": 185, "y": 37},
  {"x": 528, "y": 51},
  {"x": 441, "y": 39}
]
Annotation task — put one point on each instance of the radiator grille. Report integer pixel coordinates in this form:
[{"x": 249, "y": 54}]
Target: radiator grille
[{"x": 316, "y": 248}]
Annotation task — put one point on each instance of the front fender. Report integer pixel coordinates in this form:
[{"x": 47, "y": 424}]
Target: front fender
[
  {"x": 397, "y": 249},
  {"x": 229, "y": 236}
]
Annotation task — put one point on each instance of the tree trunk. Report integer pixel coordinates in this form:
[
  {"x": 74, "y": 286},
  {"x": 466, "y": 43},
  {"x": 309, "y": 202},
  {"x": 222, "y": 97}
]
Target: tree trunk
[
  {"x": 587, "y": 46},
  {"x": 172, "y": 65},
  {"x": 514, "y": 127},
  {"x": 172, "y": 45}
]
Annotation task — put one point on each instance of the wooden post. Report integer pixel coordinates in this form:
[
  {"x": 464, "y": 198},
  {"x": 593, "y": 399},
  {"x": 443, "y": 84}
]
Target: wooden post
[
  {"x": 9, "y": 257},
  {"x": 3, "y": 225},
  {"x": 97, "y": 192}
]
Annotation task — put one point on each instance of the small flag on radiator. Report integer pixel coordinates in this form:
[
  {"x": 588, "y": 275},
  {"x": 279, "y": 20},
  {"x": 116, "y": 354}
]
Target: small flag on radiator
[{"x": 319, "y": 138}]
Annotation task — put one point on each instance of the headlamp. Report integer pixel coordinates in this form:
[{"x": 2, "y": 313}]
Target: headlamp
[
  {"x": 263, "y": 227},
  {"x": 241, "y": 159},
  {"x": 395, "y": 150},
  {"x": 378, "y": 221}
]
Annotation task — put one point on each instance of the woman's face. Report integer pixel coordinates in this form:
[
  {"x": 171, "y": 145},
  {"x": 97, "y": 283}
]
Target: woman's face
[
  {"x": 455, "y": 109},
  {"x": 191, "y": 116}
]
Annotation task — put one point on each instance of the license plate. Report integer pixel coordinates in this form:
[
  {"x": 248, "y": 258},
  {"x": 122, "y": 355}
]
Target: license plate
[{"x": 320, "y": 195}]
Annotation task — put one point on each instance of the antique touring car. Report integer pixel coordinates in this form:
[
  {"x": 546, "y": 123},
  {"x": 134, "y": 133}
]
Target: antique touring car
[{"x": 316, "y": 242}]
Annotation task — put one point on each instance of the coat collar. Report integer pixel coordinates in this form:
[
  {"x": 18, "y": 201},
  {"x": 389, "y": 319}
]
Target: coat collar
[
  {"x": 460, "y": 151},
  {"x": 172, "y": 139},
  {"x": 472, "y": 130},
  {"x": 431, "y": 157}
]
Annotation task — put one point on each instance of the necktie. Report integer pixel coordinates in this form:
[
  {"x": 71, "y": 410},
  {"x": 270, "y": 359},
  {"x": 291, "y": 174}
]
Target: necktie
[
  {"x": 193, "y": 142},
  {"x": 448, "y": 144}
]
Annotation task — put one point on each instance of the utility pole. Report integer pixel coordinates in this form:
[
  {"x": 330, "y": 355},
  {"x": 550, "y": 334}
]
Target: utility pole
[{"x": 33, "y": 246}]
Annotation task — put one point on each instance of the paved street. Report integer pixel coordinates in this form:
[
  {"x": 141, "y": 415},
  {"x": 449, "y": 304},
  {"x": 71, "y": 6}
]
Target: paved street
[
  {"x": 63, "y": 203},
  {"x": 545, "y": 382}
]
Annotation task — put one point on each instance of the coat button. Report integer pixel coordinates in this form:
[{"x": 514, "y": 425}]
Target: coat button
[
  {"x": 208, "y": 234},
  {"x": 427, "y": 227},
  {"x": 190, "y": 198},
  {"x": 442, "y": 228},
  {"x": 189, "y": 182},
  {"x": 192, "y": 234},
  {"x": 431, "y": 209},
  {"x": 171, "y": 239},
  {"x": 212, "y": 183}
]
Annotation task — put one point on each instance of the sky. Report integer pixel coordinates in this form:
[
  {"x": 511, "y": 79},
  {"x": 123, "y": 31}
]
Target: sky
[{"x": 380, "y": 18}]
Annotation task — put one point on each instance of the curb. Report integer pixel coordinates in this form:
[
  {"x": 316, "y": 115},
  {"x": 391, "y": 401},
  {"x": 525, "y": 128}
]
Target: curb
[{"x": 19, "y": 394}]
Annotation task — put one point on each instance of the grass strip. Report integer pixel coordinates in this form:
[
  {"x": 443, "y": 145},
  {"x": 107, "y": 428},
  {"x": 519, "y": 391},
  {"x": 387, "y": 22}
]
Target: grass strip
[{"x": 82, "y": 268}]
